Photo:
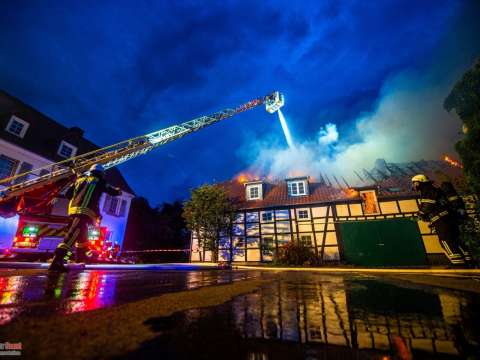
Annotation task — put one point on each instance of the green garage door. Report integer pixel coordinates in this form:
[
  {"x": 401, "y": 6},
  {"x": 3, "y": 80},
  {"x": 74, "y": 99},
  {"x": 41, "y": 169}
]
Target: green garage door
[{"x": 392, "y": 242}]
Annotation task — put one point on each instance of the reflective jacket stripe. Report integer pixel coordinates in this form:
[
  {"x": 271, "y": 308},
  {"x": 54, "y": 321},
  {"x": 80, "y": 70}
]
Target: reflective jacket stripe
[
  {"x": 430, "y": 201},
  {"x": 437, "y": 217},
  {"x": 77, "y": 210},
  {"x": 88, "y": 195},
  {"x": 453, "y": 198}
]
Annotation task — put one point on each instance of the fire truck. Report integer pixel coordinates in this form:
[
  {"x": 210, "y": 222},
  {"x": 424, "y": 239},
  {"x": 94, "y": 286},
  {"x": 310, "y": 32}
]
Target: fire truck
[
  {"x": 38, "y": 236},
  {"x": 31, "y": 194}
]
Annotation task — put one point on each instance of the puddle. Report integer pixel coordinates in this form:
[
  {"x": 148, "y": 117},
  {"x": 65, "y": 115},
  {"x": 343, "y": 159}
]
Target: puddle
[
  {"x": 37, "y": 293},
  {"x": 309, "y": 316}
]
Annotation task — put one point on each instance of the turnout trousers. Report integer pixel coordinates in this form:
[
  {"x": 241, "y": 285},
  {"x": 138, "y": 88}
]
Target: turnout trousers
[
  {"x": 448, "y": 233},
  {"x": 77, "y": 234}
]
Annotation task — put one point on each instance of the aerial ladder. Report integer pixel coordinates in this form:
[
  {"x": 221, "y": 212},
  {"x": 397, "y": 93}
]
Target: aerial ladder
[{"x": 56, "y": 177}]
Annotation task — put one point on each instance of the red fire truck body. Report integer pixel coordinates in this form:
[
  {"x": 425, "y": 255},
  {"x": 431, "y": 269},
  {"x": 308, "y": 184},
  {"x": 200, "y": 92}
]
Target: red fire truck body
[{"x": 39, "y": 236}]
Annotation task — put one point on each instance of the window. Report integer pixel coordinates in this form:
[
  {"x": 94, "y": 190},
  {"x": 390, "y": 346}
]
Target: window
[
  {"x": 296, "y": 188},
  {"x": 238, "y": 229},
  {"x": 305, "y": 240},
  {"x": 369, "y": 202},
  {"x": 25, "y": 167},
  {"x": 303, "y": 214},
  {"x": 115, "y": 206},
  {"x": 8, "y": 166},
  {"x": 252, "y": 216},
  {"x": 17, "y": 126},
  {"x": 239, "y": 243},
  {"x": 66, "y": 150},
  {"x": 110, "y": 205},
  {"x": 267, "y": 216},
  {"x": 267, "y": 246},
  {"x": 253, "y": 229},
  {"x": 254, "y": 191},
  {"x": 239, "y": 217}
]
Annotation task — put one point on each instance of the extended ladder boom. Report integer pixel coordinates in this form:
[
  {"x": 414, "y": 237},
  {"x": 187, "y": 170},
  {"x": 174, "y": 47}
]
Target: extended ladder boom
[{"x": 116, "y": 154}]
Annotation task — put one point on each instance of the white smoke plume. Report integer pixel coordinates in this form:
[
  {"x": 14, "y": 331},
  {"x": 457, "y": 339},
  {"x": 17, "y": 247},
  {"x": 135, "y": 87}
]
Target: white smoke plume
[{"x": 407, "y": 124}]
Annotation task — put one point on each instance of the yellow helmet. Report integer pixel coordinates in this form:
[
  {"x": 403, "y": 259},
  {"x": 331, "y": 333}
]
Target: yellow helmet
[{"x": 420, "y": 178}]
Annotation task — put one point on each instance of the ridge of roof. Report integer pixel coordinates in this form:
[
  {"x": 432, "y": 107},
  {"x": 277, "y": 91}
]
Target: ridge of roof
[{"x": 276, "y": 192}]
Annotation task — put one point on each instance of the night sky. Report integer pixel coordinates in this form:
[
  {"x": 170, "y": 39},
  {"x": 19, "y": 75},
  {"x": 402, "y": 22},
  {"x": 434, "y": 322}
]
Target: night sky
[{"x": 119, "y": 69}]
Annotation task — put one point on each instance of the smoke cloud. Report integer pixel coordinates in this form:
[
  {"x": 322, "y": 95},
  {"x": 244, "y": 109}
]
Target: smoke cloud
[{"x": 408, "y": 123}]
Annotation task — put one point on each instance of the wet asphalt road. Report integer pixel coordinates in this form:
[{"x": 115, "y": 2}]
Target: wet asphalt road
[
  {"x": 39, "y": 293},
  {"x": 296, "y": 315}
]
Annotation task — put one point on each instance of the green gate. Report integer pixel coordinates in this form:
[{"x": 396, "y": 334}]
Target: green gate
[{"x": 390, "y": 242}]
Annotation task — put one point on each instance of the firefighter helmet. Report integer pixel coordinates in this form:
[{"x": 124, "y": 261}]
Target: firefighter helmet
[
  {"x": 97, "y": 167},
  {"x": 420, "y": 178}
]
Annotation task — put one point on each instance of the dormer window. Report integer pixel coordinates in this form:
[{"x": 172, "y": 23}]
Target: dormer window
[
  {"x": 66, "y": 150},
  {"x": 254, "y": 190},
  {"x": 297, "y": 187},
  {"x": 17, "y": 126}
]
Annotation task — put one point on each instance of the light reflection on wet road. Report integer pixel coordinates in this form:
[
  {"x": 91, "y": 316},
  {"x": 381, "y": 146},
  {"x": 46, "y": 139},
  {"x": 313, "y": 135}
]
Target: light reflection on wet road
[
  {"x": 37, "y": 293},
  {"x": 296, "y": 315},
  {"x": 319, "y": 316}
]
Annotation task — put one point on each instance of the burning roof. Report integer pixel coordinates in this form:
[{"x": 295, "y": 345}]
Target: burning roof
[{"x": 389, "y": 180}]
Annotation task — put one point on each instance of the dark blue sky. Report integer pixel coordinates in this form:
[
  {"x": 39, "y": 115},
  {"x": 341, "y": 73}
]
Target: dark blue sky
[{"x": 121, "y": 68}]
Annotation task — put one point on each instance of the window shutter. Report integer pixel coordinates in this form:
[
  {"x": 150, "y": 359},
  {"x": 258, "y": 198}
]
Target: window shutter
[
  {"x": 123, "y": 207},
  {"x": 106, "y": 204},
  {"x": 112, "y": 210}
]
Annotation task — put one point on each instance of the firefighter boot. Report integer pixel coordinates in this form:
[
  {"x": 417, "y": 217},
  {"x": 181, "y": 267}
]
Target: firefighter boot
[
  {"x": 83, "y": 254},
  {"x": 61, "y": 255}
]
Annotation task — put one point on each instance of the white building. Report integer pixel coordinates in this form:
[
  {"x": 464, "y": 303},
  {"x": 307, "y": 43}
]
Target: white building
[{"x": 29, "y": 140}]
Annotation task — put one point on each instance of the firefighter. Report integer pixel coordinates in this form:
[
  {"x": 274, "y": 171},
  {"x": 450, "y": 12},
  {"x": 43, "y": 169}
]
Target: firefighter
[
  {"x": 434, "y": 208},
  {"x": 83, "y": 212},
  {"x": 459, "y": 212}
]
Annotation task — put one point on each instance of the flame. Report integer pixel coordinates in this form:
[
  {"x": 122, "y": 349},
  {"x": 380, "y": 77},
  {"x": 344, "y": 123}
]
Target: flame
[
  {"x": 351, "y": 192},
  {"x": 452, "y": 162},
  {"x": 244, "y": 177}
]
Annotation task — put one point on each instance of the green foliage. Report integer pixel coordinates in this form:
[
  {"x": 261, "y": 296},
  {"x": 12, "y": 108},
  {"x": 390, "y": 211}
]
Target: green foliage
[
  {"x": 208, "y": 214},
  {"x": 470, "y": 227},
  {"x": 295, "y": 254},
  {"x": 465, "y": 100}
]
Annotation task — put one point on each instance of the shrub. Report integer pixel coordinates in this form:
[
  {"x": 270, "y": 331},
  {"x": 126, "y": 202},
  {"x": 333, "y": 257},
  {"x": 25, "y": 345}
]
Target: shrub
[{"x": 295, "y": 254}]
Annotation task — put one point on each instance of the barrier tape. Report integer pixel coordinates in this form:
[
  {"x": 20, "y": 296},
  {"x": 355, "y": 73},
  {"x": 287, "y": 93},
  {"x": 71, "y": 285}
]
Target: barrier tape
[{"x": 156, "y": 250}]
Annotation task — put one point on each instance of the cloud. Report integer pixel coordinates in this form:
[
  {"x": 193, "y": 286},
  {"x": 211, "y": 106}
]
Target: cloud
[{"x": 408, "y": 123}]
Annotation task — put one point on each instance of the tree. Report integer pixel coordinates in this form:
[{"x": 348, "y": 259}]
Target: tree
[
  {"x": 209, "y": 214},
  {"x": 139, "y": 234},
  {"x": 162, "y": 227},
  {"x": 465, "y": 99}
]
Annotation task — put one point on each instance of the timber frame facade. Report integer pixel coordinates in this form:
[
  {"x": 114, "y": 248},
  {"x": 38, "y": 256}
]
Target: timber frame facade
[{"x": 258, "y": 232}]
